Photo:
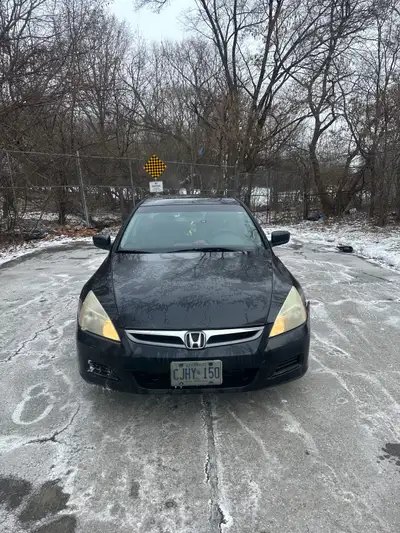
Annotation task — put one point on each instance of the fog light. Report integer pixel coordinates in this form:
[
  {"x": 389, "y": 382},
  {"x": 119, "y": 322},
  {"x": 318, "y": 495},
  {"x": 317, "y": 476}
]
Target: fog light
[{"x": 102, "y": 371}]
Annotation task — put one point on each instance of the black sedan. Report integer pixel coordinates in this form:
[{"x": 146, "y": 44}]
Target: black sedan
[{"x": 191, "y": 298}]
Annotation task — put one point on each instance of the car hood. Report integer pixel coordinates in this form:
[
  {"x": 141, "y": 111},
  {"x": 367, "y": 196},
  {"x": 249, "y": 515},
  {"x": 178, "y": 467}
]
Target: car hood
[{"x": 192, "y": 290}]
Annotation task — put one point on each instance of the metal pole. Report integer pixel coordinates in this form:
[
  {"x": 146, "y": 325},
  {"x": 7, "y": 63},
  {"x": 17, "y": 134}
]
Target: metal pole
[
  {"x": 235, "y": 170},
  {"x": 133, "y": 188},
  {"x": 83, "y": 197},
  {"x": 191, "y": 162},
  {"x": 12, "y": 184}
]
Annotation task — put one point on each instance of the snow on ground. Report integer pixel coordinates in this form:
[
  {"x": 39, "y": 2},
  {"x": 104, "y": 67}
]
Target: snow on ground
[
  {"x": 381, "y": 245},
  {"x": 19, "y": 250},
  {"x": 317, "y": 455},
  {"x": 54, "y": 234}
]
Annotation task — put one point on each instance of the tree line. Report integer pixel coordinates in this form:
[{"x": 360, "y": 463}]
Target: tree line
[{"x": 305, "y": 90}]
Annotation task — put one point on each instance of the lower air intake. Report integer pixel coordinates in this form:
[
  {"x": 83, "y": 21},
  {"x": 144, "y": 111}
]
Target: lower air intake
[
  {"x": 233, "y": 378},
  {"x": 102, "y": 371},
  {"x": 287, "y": 366}
]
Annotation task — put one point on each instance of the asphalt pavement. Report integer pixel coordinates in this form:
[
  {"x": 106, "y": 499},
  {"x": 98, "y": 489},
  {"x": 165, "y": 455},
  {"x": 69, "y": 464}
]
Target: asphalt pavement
[{"x": 319, "y": 455}]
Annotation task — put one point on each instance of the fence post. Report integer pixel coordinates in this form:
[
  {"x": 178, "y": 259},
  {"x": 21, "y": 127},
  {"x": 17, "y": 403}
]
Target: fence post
[
  {"x": 235, "y": 170},
  {"x": 12, "y": 185},
  {"x": 82, "y": 189},
  {"x": 133, "y": 188},
  {"x": 192, "y": 175}
]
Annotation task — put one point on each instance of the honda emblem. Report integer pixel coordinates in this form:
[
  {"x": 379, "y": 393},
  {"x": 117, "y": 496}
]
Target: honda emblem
[{"x": 195, "y": 340}]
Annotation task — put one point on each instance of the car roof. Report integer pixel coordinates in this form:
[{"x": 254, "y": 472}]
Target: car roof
[{"x": 189, "y": 200}]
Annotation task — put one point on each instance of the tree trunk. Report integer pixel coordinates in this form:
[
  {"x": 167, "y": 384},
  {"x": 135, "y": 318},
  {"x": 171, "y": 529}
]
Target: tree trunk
[
  {"x": 383, "y": 199},
  {"x": 62, "y": 213},
  {"x": 344, "y": 199},
  {"x": 372, "y": 179},
  {"x": 326, "y": 204},
  {"x": 62, "y": 204},
  {"x": 6, "y": 206},
  {"x": 122, "y": 204},
  {"x": 306, "y": 205},
  {"x": 397, "y": 201},
  {"x": 249, "y": 188},
  {"x": 306, "y": 196}
]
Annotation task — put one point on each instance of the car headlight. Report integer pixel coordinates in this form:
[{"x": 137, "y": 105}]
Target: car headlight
[
  {"x": 94, "y": 319},
  {"x": 292, "y": 314}
]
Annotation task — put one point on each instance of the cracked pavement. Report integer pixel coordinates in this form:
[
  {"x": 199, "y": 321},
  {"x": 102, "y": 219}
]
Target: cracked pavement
[{"x": 318, "y": 454}]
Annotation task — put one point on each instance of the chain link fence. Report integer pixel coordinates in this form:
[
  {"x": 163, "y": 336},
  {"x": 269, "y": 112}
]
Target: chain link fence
[{"x": 40, "y": 191}]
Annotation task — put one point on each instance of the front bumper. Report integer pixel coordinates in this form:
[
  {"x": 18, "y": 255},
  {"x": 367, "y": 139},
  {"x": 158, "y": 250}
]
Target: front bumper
[{"x": 142, "y": 369}]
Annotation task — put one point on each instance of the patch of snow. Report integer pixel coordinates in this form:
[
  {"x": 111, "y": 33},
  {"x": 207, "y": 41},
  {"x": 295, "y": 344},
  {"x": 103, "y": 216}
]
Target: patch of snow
[
  {"x": 35, "y": 215},
  {"x": 381, "y": 245},
  {"x": 19, "y": 250},
  {"x": 260, "y": 197}
]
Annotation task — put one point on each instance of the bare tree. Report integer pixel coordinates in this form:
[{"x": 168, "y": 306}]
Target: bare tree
[
  {"x": 299, "y": 97},
  {"x": 319, "y": 76},
  {"x": 371, "y": 108},
  {"x": 262, "y": 46}
]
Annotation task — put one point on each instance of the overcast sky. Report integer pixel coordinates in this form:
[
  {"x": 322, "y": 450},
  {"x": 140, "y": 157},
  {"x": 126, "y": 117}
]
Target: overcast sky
[{"x": 152, "y": 26}]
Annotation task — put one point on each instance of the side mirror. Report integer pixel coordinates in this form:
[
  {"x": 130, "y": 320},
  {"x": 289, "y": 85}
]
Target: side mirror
[
  {"x": 102, "y": 241},
  {"x": 279, "y": 237}
]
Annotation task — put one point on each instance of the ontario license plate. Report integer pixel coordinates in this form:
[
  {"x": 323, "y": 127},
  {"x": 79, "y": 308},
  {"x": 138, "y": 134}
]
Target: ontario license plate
[{"x": 196, "y": 373}]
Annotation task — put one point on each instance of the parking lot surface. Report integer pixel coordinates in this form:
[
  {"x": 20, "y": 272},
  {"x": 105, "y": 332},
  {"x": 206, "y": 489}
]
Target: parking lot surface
[{"x": 321, "y": 454}]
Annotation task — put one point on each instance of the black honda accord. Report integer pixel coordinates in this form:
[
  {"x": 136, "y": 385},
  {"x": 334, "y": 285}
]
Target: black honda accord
[{"x": 191, "y": 298}]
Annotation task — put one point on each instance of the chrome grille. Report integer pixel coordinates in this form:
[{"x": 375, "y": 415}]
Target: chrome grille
[{"x": 176, "y": 338}]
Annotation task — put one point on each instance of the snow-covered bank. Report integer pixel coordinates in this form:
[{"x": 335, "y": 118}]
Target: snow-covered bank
[
  {"x": 378, "y": 244},
  {"x": 62, "y": 237},
  {"x": 381, "y": 245},
  {"x": 19, "y": 250}
]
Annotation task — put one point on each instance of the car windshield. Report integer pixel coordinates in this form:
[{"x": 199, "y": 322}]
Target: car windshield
[{"x": 180, "y": 227}]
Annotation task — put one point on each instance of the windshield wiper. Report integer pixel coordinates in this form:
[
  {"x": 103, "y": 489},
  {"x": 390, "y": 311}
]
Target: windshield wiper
[
  {"x": 206, "y": 249},
  {"x": 132, "y": 251}
]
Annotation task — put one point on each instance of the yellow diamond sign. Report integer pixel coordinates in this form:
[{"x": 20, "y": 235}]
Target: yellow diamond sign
[{"x": 155, "y": 167}]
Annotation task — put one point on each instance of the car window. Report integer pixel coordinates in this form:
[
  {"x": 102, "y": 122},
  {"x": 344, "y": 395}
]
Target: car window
[{"x": 158, "y": 228}]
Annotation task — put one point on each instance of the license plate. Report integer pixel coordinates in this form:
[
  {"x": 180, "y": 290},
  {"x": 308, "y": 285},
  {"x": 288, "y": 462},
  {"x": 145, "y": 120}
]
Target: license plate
[{"x": 196, "y": 373}]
